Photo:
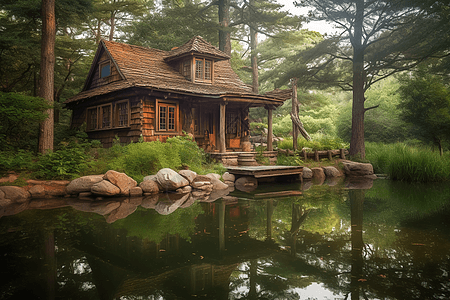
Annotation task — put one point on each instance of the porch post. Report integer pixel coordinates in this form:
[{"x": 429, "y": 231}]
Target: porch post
[
  {"x": 222, "y": 145},
  {"x": 269, "y": 129}
]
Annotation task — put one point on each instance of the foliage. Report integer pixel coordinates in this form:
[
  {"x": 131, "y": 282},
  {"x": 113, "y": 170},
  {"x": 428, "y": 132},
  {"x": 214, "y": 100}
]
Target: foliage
[
  {"x": 66, "y": 163},
  {"x": 318, "y": 142},
  {"x": 425, "y": 104},
  {"x": 406, "y": 163},
  {"x": 15, "y": 160},
  {"x": 382, "y": 124},
  {"x": 20, "y": 116},
  {"x": 138, "y": 160}
]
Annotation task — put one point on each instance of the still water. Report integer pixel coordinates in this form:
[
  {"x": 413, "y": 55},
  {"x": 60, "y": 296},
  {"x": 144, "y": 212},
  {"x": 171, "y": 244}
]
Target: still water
[{"x": 388, "y": 242}]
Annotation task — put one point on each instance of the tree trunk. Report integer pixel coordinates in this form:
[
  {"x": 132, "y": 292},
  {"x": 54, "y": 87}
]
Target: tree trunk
[
  {"x": 46, "y": 83},
  {"x": 112, "y": 27},
  {"x": 357, "y": 147},
  {"x": 254, "y": 59},
  {"x": 224, "y": 21}
]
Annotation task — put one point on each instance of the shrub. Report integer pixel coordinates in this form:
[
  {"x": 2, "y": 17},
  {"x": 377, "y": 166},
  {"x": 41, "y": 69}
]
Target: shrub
[
  {"x": 318, "y": 142},
  {"x": 15, "y": 160},
  {"x": 190, "y": 154},
  {"x": 66, "y": 163}
]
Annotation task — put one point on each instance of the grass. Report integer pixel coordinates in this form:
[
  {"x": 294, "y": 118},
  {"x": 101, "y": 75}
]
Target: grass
[{"x": 407, "y": 163}]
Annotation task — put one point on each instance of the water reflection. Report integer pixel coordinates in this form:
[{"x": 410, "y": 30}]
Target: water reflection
[{"x": 387, "y": 242}]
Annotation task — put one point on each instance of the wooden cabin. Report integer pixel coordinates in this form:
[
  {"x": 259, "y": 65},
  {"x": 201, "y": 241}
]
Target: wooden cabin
[{"x": 134, "y": 92}]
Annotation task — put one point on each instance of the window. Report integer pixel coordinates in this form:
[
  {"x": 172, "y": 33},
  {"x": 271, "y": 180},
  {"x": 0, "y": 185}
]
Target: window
[
  {"x": 167, "y": 116},
  {"x": 105, "y": 69},
  {"x": 203, "y": 69},
  {"x": 122, "y": 114},
  {"x": 105, "y": 116},
  {"x": 99, "y": 117},
  {"x": 92, "y": 114},
  {"x": 187, "y": 69},
  {"x": 232, "y": 121}
]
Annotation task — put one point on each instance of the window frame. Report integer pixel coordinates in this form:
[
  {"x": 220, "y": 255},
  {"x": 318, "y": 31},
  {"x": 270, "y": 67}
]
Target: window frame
[
  {"x": 167, "y": 104},
  {"x": 102, "y": 65},
  {"x": 203, "y": 61},
  {"x": 99, "y": 113},
  {"x": 117, "y": 116}
]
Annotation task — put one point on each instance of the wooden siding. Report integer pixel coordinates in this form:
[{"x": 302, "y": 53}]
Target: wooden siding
[{"x": 96, "y": 81}]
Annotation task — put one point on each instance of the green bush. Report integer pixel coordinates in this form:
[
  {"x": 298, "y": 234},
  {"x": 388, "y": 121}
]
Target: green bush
[
  {"x": 66, "y": 163},
  {"x": 190, "y": 154},
  {"x": 15, "y": 160}
]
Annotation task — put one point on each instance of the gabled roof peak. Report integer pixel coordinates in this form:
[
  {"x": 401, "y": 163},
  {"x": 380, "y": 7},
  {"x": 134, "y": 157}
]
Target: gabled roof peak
[{"x": 199, "y": 46}]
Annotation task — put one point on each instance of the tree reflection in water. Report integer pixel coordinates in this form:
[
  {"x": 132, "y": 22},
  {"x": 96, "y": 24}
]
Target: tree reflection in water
[{"x": 331, "y": 242}]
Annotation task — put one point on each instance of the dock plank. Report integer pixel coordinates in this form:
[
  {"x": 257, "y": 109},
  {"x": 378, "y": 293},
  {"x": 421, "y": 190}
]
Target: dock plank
[{"x": 266, "y": 171}]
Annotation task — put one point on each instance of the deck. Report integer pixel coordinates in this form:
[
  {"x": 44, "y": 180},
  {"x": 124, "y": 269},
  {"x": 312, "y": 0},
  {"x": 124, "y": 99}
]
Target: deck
[{"x": 265, "y": 171}]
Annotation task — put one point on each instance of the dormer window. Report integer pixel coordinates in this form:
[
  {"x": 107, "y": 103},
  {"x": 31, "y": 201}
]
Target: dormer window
[
  {"x": 186, "y": 69},
  {"x": 105, "y": 69},
  {"x": 203, "y": 69}
]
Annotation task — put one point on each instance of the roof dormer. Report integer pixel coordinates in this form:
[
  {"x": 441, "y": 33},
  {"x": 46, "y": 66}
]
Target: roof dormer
[{"x": 195, "y": 60}]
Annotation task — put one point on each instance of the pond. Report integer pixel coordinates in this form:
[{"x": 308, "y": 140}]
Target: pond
[{"x": 388, "y": 242}]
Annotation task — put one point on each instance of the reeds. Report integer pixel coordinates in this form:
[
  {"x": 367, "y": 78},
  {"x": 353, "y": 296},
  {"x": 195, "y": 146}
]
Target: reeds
[{"x": 406, "y": 163}]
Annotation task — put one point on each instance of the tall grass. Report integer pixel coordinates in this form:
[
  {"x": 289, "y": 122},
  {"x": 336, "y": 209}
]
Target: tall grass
[{"x": 406, "y": 163}]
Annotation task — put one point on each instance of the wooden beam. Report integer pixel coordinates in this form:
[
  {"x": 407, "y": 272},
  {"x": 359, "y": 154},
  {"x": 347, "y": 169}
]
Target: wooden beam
[
  {"x": 222, "y": 146},
  {"x": 294, "y": 112},
  {"x": 270, "y": 130}
]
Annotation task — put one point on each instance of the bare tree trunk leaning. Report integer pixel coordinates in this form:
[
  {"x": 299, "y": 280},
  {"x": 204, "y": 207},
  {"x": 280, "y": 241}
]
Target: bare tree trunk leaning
[
  {"x": 46, "y": 83},
  {"x": 294, "y": 113}
]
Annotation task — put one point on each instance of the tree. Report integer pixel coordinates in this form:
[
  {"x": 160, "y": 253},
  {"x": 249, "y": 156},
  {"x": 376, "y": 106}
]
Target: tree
[
  {"x": 378, "y": 39},
  {"x": 46, "y": 84},
  {"x": 425, "y": 104}
]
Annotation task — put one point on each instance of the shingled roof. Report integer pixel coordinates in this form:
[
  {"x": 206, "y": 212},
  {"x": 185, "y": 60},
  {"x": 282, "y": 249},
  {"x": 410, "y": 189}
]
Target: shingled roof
[
  {"x": 197, "y": 45},
  {"x": 147, "y": 68}
]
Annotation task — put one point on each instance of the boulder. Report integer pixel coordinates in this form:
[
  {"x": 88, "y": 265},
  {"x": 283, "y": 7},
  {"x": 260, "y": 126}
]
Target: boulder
[
  {"x": 201, "y": 178},
  {"x": 331, "y": 171},
  {"x": 217, "y": 184},
  {"x": 37, "y": 191},
  {"x": 318, "y": 176},
  {"x": 150, "y": 177},
  {"x": 318, "y": 173},
  {"x": 188, "y": 202},
  {"x": 15, "y": 194},
  {"x": 135, "y": 191},
  {"x": 307, "y": 173},
  {"x": 83, "y": 184},
  {"x": 211, "y": 175},
  {"x": 121, "y": 180},
  {"x": 228, "y": 177},
  {"x": 170, "y": 180},
  {"x": 354, "y": 169},
  {"x": 149, "y": 186},
  {"x": 184, "y": 190},
  {"x": 105, "y": 188},
  {"x": 188, "y": 174},
  {"x": 246, "y": 184},
  {"x": 5, "y": 202}
]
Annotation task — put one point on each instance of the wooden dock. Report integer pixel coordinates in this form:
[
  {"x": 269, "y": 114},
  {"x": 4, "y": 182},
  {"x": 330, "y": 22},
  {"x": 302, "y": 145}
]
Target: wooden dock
[{"x": 266, "y": 171}]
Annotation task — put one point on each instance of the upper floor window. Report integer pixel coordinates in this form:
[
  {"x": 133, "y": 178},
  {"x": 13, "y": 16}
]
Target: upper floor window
[
  {"x": 187, "y": 69},
  {"x": 105, "y": 69},
  {"x": 203, "y": 69}
]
